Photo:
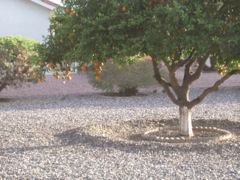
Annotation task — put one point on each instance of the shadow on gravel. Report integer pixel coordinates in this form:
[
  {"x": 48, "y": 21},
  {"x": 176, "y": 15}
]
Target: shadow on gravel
[
  {"x": 81, "y": 137},
  {"x": 4, "y": 100}
]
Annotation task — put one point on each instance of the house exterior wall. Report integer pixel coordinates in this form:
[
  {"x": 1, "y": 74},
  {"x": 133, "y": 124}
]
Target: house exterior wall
[{"x": 24, "y": 18}]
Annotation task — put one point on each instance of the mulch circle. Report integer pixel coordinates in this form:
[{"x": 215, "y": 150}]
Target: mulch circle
[
  {"x": 166, "y": 131},
  {"x": 201, "y": 134}
]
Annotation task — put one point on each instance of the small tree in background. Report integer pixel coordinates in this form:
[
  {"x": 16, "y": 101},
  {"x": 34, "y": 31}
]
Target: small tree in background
[
  {"x": 125, "y": 80},
  {"x": 179, "y": 33},
  {"x": 15, "y": 55}
]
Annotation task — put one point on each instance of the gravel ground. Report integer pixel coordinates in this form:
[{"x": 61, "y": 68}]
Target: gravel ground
[{"x": 43, "y": 135}]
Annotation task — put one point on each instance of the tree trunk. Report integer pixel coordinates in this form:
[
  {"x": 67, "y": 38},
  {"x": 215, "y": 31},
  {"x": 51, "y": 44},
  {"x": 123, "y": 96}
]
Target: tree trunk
[{"x": 185, "y": 121}]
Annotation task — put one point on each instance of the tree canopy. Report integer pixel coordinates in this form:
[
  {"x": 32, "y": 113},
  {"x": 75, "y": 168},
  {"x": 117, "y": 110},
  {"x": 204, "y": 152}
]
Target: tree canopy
[{"x": 87, "y": 30}]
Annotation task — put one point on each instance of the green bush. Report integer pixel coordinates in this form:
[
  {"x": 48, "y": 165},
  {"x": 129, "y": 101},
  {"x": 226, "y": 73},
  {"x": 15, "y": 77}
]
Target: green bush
[
  {"x": 126, "y": 79},
  {"x": 16, "y": 60}
]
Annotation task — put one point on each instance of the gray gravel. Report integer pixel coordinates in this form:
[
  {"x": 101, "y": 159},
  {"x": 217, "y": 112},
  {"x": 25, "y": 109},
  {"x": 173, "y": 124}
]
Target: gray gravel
[{"x": 43, "y": 137}]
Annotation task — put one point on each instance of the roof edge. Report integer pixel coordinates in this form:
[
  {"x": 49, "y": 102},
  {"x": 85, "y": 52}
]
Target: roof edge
[
  {"x": 46, "y": 3},
  {"x": 50, "y": 3}
]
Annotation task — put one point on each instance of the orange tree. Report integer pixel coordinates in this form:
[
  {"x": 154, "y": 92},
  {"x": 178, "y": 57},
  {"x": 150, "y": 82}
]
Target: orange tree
[{"x": 178, "y": 33}]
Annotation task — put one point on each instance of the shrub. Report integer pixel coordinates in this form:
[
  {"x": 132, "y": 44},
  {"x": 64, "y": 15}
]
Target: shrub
[
  {"x": 16, "y": 55},
  {"x": 126, "y": 79}
]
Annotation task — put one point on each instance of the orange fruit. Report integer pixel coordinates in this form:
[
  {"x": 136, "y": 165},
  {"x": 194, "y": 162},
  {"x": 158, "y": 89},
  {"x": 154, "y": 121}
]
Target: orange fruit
[
  {"x": 56, "y": 76},
  {"x": 224, "y": 69},
  {"x": 238, "y": 66},
  {"x": 124, "y": 9},
  {"x": 35, "y": 74},
  {"x": 96, "y": 63},
  {"x": 67, "y": 72},
  {"x": 49, "y": 65},
  {"x": 68, "y": 10},
  {"x": 68, "y": 78},
  {"x": 97, "y": 78},
  {"x": 40, "y": 63},
  {"x": 98, "y": 70},
  {"x": 83, "y": 68},
  {"x": 41, "y": 80},
  {"x": 72, "y": 13}
]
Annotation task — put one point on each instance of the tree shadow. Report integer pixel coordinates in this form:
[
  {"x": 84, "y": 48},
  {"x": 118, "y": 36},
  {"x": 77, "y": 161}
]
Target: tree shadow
[
  {"x": 5, "y": 100},
  {"x": 134, "y": 144},
  {"x": 232, "y": 126},
  {"x": 80, "y": 137}
]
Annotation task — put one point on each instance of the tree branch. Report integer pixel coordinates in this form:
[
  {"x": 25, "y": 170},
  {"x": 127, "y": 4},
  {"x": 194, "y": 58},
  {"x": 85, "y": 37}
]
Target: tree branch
[
  {"x": 176, "y": 58},
  {"x": 187, "y": 74},
  {"x": 201, "y": 62},
  {"x": 165, "y": 85},
  {"x": 215, "y": 87},
  {"x": 185, "y": 61},
  {"x": 172, "y": 76},
  {"x": 222, "y": 8},
  {"x": 167, "y": 65}
]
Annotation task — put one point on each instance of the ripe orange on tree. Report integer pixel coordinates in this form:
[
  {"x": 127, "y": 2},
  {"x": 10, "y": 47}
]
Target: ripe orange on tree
[
  {"x": 35, "y": 74},
  {"x": 67, "y": 73},
  {"x": 41, "y": 80},
  {"x": 96, "y": 63},
  {"x": 68, "y": 78},
  {"x": 68, "y": 10},
  {"x": 124, "y": 9},
  {"x": 83, "y": 68},
  {"x": 49, "y": 65},
  {"x": 56, "y": 76},
  {"x": 224, "y": 69},
  {"x": 72, "y": 13},
  {"x": 98, "y": 70},
  {"x": 97, "y": 77}
]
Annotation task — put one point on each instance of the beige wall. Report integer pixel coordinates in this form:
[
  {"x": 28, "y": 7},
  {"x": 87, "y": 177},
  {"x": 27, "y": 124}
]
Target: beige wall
[{"x": 24, "y": 18}]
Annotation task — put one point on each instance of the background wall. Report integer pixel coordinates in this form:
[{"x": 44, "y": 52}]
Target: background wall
[{"x": 25, "y": 18}]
